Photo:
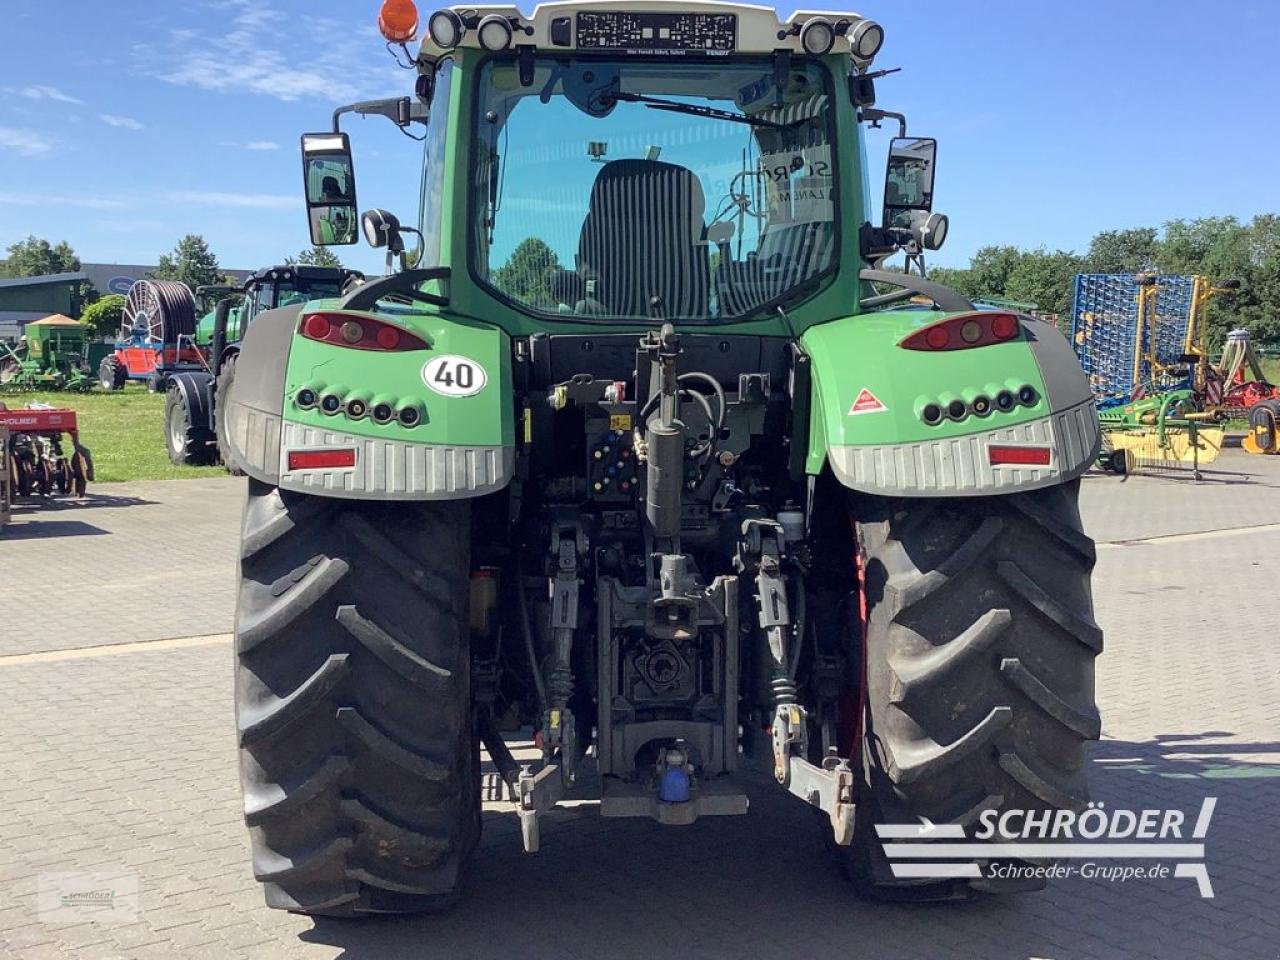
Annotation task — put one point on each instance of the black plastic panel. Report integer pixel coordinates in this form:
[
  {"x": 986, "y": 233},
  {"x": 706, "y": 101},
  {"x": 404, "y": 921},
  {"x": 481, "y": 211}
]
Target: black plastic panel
[{"x": 710, "y": 33}]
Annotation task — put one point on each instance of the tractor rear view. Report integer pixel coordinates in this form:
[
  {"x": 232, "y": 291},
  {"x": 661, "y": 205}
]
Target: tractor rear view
[
  {"x": 638, "y": 445},
  {"x": 192, "y": 430}
]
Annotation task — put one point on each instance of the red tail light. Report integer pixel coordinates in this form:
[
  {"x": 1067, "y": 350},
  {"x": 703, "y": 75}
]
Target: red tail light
[
  {"x": 1019, "y": 456},
  {"x": 321, "y": 459},
  {"x": 358, "y": 332},
  {"x": 978, "y": 329}
]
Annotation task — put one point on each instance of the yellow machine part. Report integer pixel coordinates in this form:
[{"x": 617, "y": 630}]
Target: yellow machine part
[
  {"x": 1252, "y": 446},
  {"x": 1146, "y": 444}
]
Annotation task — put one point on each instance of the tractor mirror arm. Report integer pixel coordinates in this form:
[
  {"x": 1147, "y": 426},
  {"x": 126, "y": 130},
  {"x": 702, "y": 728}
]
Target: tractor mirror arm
[
  {"x": 944, "y": 297},
  {"x": 873, "y": 116},
  {"x": 401, "y": 111}
]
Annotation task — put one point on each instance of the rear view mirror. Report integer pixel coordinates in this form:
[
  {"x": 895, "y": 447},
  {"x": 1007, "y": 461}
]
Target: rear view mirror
[
  {"x": 329, "y": 179},
  {"x": 908, "y": 183}
]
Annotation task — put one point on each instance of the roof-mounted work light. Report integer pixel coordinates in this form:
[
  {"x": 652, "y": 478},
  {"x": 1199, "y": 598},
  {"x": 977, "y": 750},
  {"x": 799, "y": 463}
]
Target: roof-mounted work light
[
  {"x": 494, "y": 32},
  {"x": 817, "y": 36},
  {"x": 446, "y": 29},
  {"x": 866, "y": 37}
]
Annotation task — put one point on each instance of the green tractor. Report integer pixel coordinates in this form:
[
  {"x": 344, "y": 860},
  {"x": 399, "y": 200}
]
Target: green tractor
[
  {"x": 193, "y": 430},
  {"x": 639, "y": 446}
]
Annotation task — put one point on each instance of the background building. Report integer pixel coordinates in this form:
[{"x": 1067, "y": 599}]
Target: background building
[{"x": 25, "y": 299}]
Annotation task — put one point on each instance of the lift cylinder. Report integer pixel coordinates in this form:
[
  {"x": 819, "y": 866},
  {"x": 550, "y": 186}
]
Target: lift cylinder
[{"x": 665, "y": 477}]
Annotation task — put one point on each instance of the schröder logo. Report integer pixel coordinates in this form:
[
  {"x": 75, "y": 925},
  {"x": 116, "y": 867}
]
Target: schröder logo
[{"x": 1081, "y": 839}]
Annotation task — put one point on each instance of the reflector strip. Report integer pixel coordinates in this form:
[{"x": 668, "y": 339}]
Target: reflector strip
[
  {"x": 1019, "y": 456},
  {"x": 321, "y": 459}
]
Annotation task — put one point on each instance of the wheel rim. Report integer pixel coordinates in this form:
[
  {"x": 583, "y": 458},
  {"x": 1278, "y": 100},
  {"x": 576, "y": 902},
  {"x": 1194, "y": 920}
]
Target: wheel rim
[{"x": 177, "y": 428}]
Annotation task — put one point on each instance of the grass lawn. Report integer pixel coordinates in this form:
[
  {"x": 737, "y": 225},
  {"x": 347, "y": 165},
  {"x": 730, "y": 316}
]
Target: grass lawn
[{"x": 123, "y": 429}]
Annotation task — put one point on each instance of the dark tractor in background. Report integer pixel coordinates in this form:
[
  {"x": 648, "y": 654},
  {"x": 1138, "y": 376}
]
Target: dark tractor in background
[{"x": 192, "y": 429}]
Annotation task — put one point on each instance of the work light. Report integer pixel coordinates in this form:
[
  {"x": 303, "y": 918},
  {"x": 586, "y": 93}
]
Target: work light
[
  {"x": 494, "y": 32},
  {"x": 817, "y": 36},
  {"x": 865, "y": 39},
  {"x": 445, "y": 28}
]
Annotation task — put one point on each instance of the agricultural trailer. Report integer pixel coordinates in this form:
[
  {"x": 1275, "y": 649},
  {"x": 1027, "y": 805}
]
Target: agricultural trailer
[
  {"x": 191, "y": 426},
  {"x": 639, "y": 448}
]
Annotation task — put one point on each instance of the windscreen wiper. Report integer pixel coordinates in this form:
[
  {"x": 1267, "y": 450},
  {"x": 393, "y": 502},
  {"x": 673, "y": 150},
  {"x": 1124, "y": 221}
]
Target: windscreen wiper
[{"x": 695, "y": 109}]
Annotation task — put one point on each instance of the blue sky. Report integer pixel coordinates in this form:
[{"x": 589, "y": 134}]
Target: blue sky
[{"x": 124, "y": 125}]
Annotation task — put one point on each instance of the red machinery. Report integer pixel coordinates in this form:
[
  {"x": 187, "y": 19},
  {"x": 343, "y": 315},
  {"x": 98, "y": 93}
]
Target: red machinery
[
  {"x": 38, "y": 462},
  {"x": 157, "y": 337}
]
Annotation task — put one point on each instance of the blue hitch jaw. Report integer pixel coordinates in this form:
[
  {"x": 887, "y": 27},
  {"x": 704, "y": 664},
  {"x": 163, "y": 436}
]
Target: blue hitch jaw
[{"x": 673, "y": 787}]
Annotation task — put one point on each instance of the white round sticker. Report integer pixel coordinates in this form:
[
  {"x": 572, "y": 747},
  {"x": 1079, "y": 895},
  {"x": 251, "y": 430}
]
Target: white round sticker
[{"x": 454, "y": 376}]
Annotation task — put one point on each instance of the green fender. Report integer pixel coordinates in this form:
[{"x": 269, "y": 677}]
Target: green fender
[
  {"x": 461, "y": 442},
  {"x": 869, "y": 397}
]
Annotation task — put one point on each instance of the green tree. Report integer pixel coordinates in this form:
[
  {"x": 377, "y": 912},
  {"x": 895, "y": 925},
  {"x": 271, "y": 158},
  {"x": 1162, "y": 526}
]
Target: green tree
[
  {"x": 104, "y": 315},
  {"x": 527, "y": 275},
  {"x": 1045, "y": 279},
  {"x": 36, "y": 257},
  {"x": 191, "y": 261},
  {"x": 991, "y": 268},
  {"x": 315, "y": 257},
  {"x": 1123, "y": 251},
  {"x": 958, "y": 279}
]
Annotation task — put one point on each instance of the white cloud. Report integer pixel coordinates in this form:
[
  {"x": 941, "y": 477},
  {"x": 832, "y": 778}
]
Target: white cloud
[
  {"x": 257, "y": 52},
  {"x": 249, "y": 201},
  {"x": 60, "y": 200},
  {"x": 255, "y": 145},
  {"x": 125, "y": 123},
  {"x": 41, "y": 92},
  {"x": 24, "y": 142}
]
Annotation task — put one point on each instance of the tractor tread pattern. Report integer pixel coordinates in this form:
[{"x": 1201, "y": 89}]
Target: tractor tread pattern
[
  {"x": 317, "y": 577},
  {"x": 1084, "y": 723},
  {"x": 980, "y": 645},
  {"x": 274, "y": 715},
  {"x": 417, "y": 670},
  {"x": 282, "y": 800},
  {"x": 358, "y": 766}
]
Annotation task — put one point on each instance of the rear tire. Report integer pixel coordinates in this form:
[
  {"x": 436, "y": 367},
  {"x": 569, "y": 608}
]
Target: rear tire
[
  {"x": 188, "y": 445},
  {"x": 358, "y": 762},
  {"x": 226, "y": 375},
  {"x": 980, "y": 667},
  {"x": 111, "y": 373}
]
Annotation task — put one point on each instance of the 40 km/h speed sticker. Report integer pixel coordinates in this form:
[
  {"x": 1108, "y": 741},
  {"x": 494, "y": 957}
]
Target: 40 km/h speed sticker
[{"x": 454, "y": 376}]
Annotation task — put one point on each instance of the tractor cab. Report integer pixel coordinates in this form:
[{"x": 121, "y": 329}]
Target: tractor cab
[
  {"x": 224, "y": 327},
  {"x": 700, "y": 163}
]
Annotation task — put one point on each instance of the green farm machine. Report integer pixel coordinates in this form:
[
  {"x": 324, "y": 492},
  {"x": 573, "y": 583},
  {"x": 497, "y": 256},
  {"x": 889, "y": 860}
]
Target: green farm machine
[
  {"x": 640, "y": 446},
  {"x": 56, "y": 353}
]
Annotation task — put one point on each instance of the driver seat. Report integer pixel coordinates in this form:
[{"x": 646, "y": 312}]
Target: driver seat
[{"x": 642, "y": 242}]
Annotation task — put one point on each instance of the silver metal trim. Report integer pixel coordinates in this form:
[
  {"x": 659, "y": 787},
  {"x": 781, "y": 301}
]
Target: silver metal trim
[
  {"x": 959, "y": 466},
  {"x": 393, "y": 470}
]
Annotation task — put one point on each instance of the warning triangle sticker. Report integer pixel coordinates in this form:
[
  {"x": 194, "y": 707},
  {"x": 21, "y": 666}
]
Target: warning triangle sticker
[{"x": 866, "y": 402}]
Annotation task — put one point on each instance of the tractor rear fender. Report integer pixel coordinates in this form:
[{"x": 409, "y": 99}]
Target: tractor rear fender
[
  {"x": 197, "y": 393},
  {"x": 457, "y": 441},
  {"x": 873, "y": 399}
]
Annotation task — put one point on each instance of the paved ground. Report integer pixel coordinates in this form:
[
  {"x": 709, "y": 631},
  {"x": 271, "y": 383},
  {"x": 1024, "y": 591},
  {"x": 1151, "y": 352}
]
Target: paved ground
[{"x": 118, "y": 759}]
